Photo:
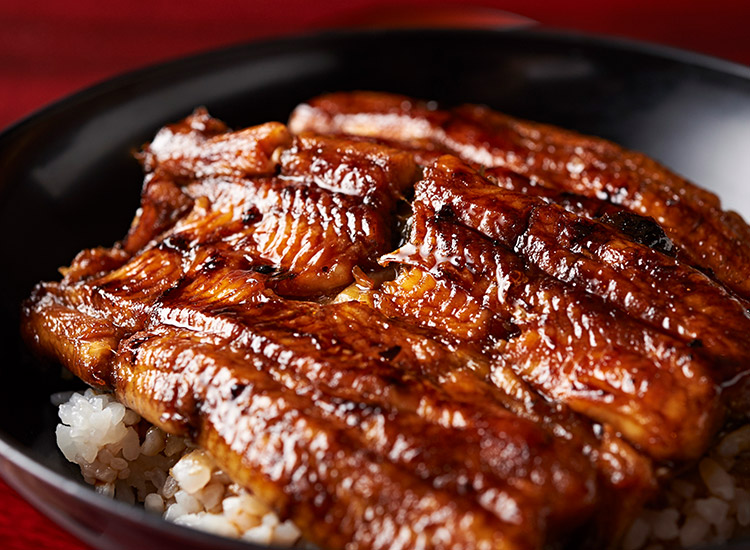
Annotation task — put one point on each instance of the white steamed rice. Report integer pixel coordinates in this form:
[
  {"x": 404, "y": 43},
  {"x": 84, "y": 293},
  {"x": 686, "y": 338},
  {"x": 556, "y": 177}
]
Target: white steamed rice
[
  {"x": 708, "y": 504},
  {"x": 164, "y": 472}
]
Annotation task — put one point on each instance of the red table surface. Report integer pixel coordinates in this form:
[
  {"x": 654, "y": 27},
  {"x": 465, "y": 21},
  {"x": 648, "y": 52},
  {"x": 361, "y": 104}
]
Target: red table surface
[{"x": 50, "y": 49}]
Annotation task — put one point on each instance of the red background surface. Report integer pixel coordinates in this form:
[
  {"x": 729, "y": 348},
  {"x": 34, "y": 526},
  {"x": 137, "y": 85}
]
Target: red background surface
[{"x": 49, "y": 49}]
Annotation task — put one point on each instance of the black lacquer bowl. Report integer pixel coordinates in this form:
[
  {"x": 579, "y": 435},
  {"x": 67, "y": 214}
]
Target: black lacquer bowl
[{"x": 68, "y": 180}]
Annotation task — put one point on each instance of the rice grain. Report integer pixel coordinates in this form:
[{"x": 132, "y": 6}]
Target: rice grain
[{"x": 162, "y": 471}]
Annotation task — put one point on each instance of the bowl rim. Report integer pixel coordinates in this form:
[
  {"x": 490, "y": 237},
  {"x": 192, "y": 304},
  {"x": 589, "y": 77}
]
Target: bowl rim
[{"x": 531, "y": 31}]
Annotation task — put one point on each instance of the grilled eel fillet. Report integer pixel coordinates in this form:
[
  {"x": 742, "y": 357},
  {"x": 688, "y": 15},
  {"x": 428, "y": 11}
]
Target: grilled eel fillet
[
  {"x": 328, "y": 412},
  {"x": 626, "y": 374},
  {"x": 433, "y": 413},
  {"x": 714, "y": 240}
]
